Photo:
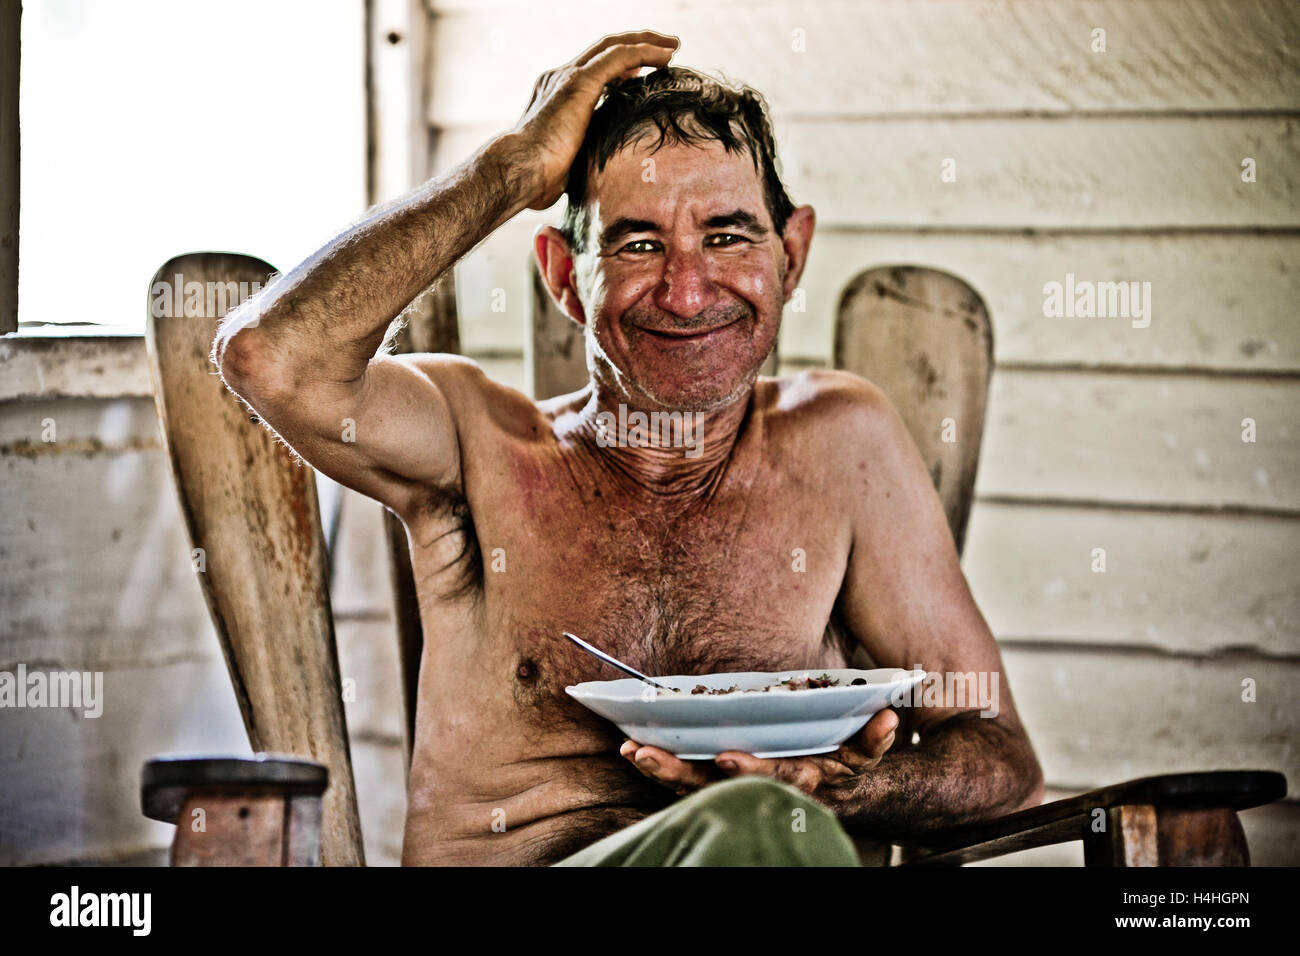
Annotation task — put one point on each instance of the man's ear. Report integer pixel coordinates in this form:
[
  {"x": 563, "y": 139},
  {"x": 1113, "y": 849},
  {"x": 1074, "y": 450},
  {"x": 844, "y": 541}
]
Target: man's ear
[
  {"x": 798, "y": 237},
  {"x": 555, "y": 263}
]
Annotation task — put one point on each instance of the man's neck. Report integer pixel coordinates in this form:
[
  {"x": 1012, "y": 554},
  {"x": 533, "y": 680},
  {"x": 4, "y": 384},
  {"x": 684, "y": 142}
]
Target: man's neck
[{"x": 664, "y": 452}]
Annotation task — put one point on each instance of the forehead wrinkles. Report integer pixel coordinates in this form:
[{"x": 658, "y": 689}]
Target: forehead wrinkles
[{"x": 690, "y": 184}]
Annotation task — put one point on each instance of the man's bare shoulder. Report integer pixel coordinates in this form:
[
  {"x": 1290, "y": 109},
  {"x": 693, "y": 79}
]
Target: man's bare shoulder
[
  {"x": 479, "y": 404},
  {"x": 820, "y": 406},
  {"x": 453, "y": 374}
]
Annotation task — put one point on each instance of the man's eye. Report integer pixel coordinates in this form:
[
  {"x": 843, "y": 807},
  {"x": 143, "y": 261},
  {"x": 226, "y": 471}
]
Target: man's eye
[
  {"x": 640, "y": 245},
  {"x": 728, "y": 239}
]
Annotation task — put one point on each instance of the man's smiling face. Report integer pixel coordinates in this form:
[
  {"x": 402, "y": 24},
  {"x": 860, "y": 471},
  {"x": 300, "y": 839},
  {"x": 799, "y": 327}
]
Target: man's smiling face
[{"x": 683, "y": 277}]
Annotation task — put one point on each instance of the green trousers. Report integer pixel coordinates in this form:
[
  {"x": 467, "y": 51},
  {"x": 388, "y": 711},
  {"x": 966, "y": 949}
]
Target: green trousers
[{"x": 745, "y": 821}]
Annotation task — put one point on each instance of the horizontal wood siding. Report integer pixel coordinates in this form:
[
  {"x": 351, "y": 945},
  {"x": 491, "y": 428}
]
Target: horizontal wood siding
[{"x": 1110, "y": 433}]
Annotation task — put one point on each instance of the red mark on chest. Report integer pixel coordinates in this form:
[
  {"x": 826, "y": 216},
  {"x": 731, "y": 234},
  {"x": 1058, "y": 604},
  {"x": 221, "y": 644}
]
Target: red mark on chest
[{"x": 529, "y": 480}]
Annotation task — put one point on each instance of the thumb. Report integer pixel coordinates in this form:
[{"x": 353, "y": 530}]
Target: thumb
[{"x": 878, "y": 734}]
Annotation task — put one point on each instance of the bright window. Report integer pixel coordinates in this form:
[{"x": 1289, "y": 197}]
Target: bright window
[{"x": 154, "y": 127}]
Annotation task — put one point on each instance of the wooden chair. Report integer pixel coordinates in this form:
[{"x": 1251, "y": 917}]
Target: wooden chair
[
  {"x": 922, "y": 335},
  {"x": 251, "y": 514},
  {"x": 925, "y": 337}
]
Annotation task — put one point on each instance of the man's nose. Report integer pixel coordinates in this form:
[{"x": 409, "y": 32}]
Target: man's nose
[{"x": 686, "y": 289}]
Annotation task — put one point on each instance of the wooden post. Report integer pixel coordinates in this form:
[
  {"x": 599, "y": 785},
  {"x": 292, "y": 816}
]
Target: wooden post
[
  {"x": 397, "y": 158},
  {"x": 396, "y": 128},
  {"x": 10, "y": 41},
  {"x": 1146, "y": 835},
  {"x": 1128, "y": 840}
]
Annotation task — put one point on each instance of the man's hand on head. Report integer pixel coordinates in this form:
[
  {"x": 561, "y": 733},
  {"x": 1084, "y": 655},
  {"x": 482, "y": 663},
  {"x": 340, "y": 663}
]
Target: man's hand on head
[
  {"x": 549, "y": 134},
  {"x": 821, "y": 775}
]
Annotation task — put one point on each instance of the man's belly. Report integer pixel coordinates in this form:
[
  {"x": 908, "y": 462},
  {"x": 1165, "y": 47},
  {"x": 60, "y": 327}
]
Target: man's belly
[
  {"x": 494, "y": 783},
  {"x": 508, "y": 769},
  {"x": 572, "y": 803}
]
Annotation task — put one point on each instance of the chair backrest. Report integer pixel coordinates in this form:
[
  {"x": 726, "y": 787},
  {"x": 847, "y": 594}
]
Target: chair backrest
[
  {"x": 925, "y": 338},
  {"x": 251, "y": 513}
]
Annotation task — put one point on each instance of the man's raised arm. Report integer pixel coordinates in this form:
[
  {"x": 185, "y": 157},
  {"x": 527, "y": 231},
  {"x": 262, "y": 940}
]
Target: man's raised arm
[{"x": 302, "y": 353}]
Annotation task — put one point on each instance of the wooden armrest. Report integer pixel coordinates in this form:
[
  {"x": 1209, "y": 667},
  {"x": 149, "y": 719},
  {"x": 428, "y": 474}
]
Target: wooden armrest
[
  {"x": 1182, "y": 796},
  {"x": 263, "y": 810}
]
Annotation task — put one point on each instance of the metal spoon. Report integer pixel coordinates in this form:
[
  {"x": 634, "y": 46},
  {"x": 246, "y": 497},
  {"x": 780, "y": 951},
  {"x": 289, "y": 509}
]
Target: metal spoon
[{"x": 616, "y": 662}]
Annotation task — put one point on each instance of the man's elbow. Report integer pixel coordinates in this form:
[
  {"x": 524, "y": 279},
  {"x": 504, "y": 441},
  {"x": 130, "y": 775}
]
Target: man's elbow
[
  {"x": 246, "y": 362},
  {"x": 1035, "y": 785},
  {"x": 230, "y": 351}
]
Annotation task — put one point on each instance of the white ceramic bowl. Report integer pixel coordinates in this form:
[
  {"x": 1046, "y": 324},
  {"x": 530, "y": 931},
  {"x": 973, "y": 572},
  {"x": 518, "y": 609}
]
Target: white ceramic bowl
[{"x": 778, "y": 723}]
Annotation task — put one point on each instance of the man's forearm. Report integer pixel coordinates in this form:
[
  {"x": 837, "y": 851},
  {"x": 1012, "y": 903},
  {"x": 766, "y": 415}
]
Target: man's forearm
[
  {"x": 329, "y": 314},
  {"x": 966, "y": 769}
]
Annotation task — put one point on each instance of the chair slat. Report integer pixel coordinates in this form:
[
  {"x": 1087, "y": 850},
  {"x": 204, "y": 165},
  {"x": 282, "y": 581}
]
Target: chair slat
[
  {"x": 251, "y": 512},
  {"x": 555, "y": 351},
  {"x": 925, "y": 338}
]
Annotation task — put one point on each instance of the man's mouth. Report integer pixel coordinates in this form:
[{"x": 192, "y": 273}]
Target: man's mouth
[{"x": 686, "y": 335}]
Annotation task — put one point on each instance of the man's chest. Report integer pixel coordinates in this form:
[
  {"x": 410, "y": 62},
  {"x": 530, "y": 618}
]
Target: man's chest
[{"x": 744, "y": 578}]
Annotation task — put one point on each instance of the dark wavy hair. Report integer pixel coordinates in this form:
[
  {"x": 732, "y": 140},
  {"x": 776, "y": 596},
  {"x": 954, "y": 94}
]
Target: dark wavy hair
[{"x": 685, "y": 107}]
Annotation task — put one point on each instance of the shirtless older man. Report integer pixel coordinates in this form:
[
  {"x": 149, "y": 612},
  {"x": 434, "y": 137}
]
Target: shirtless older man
[{"x": 526, "y": 519}]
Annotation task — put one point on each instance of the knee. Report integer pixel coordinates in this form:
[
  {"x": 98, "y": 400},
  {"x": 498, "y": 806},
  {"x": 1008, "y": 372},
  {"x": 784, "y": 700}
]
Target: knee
[
  {"x": 759, "y": 821},
  {"x": 758, "y": 794}
]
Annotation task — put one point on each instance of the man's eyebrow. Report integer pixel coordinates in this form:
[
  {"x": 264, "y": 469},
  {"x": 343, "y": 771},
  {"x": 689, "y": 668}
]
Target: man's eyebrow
[
  {"x": 625, "y": 226},
  {"x": 740, "y": 218}
]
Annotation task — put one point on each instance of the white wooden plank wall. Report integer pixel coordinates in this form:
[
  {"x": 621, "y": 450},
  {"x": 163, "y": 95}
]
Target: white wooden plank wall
[
  {"x": 1116, "y": 166},
  {"x": 1123, "y": 165}
]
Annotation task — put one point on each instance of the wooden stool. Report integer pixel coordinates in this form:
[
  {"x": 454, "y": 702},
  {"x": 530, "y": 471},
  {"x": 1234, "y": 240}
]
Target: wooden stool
[{"x": 263, "y": 810}]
